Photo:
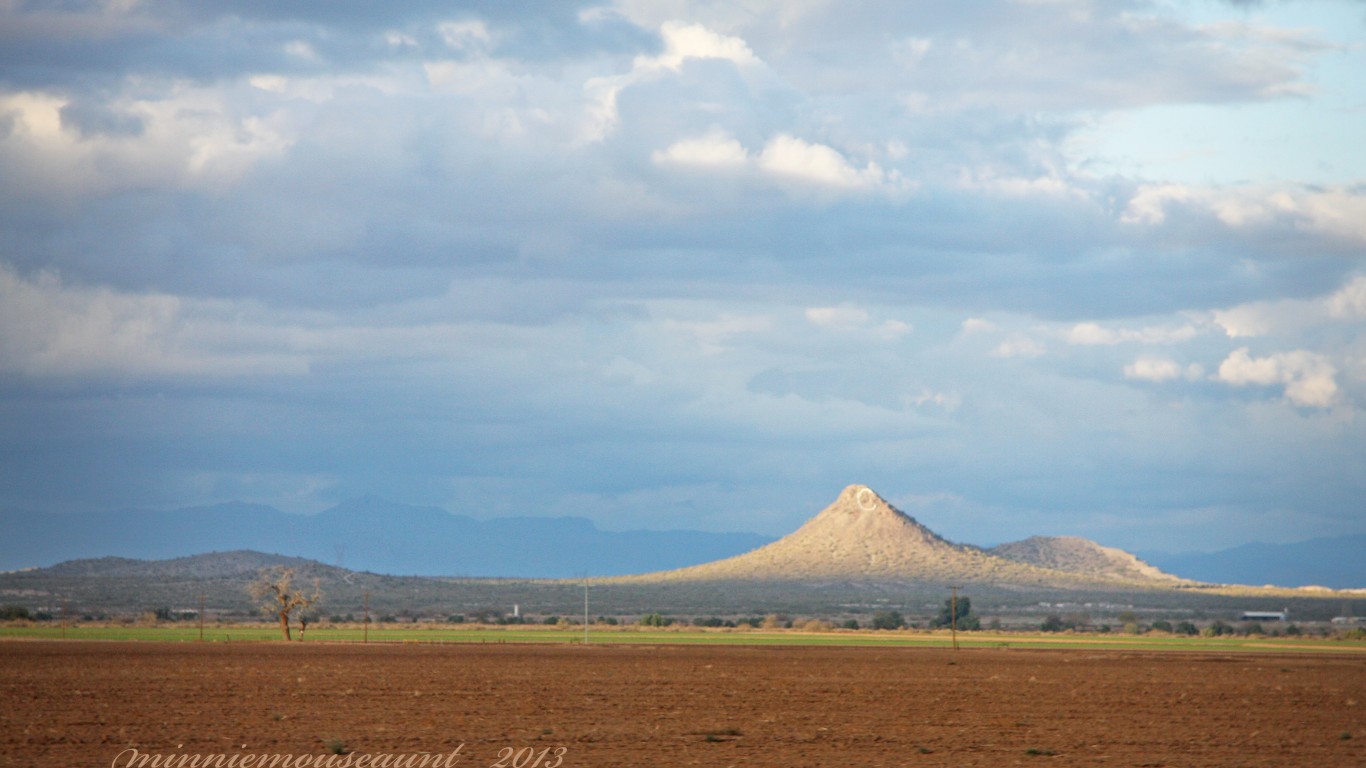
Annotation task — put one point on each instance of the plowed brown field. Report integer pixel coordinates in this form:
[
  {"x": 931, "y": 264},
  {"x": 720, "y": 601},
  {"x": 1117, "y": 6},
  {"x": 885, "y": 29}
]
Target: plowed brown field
[{"x": 84, "y": 703}]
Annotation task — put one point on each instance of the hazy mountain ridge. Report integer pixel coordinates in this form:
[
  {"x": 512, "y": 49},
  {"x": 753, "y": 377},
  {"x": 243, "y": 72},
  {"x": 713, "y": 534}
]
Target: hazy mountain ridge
[
  {"x": 1337, "y": 562},
  {"x": 365, "y": 534},
  {"x": 210, "y": 565},
  {"x": 843, "y": 542},
  {"x": 859, "y": 550}
]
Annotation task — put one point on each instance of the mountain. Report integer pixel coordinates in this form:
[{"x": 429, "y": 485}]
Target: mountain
[
  {"x": 858, "y": 553},
  {"x": 1080, "y": 556},
  {"x": 212, "y": 565},
  {"x": 365, "y": 534},
  {"x": 860, "y": 537},
  {"x": 1338, "y": 563}
]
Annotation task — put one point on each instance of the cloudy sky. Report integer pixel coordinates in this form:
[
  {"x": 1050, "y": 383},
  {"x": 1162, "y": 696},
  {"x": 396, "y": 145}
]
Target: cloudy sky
[{"x": 1039, "y": 266}]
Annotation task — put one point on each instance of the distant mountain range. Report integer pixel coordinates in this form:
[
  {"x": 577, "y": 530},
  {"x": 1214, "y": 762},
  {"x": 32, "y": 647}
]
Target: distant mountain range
[
  {"x": 365, "y": 535},
  {"x": 860, "y": 537},
  {"x": 1338, "y": 562}
]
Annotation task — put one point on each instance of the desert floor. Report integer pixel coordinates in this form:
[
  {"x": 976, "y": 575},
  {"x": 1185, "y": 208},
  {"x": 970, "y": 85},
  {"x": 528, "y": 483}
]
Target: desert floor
[{"x": 570, "y": 706}]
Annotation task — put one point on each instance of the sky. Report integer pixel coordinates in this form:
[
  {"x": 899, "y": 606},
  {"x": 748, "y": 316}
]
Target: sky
[{"x": 1030, "y": 267}]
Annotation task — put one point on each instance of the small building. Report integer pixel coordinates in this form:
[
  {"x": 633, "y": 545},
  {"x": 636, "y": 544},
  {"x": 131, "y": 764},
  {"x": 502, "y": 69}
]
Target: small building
[{"x": 1281, "y": 615}]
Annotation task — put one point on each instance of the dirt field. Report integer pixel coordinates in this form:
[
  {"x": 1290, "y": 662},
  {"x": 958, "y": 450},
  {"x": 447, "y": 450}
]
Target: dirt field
[{"x": 83, "y": 703}]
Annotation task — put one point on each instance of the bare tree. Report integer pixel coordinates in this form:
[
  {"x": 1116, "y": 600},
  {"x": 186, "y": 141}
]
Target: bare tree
[{"x": 274, "y": 591}]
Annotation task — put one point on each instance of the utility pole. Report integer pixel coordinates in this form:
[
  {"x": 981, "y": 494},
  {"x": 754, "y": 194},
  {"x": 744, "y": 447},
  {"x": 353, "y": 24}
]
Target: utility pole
[
  {"x": 953, "y": 615},
  {"x": 365, "y": 601},
  {"x": 585, "y": 611},
  {"x": 201, "y": 617}
]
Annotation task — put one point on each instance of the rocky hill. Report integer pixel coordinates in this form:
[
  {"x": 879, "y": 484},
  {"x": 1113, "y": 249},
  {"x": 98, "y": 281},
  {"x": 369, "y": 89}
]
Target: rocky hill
[
  {"x": 861, "y": 537},
  {"x": 1081, "y": 556}
]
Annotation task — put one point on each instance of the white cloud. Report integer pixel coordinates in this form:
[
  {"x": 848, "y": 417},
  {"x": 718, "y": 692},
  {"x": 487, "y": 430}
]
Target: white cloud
[
  {"x": 1350, "y": 300},
  {"x": 465, "y": 35},
  {"x": 977, "y": 325},
  {"x": 1290, "y": 316},
  {"x": 1246, "y": 321},
  {"x": 1149, "y": 203},
  {"x": 1152, "y": 369},
  {"x": 1308, "y": 377},
  {"x": 693, "y": 41},
  {"x": 1018, "y": 346},
  {"x": 847, "y": 317},
  {"x": 682, "y": 42},
  {"x": 844, "y": 316},
  {"x": 1008, "y": 183},
  {"x": 789, "y": 156},
  {"x": 716, "y": 149},
  {"x": 948, "y": 401},
  {"x": 783, "y": 159},
  {"x": 1157, "y": 369},
  {"x": 187, "y": 136},
  {"x": 1093, "y": 334},
  {"x": 1336, "y": 213}
]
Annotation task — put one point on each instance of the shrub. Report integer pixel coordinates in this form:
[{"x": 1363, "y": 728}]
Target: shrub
[
  {"x": 13, "y": 613},
  {"x": 1052, "y": 624},
  {"x": 966, "y": 621},
  {"x": 888, "y": 620},
  {"x": 1162, "y": 625},
  {"x": 1186, "y": 628},
  {"x": 850, "y": 624},
  {"x": 1217, "y": 629}
]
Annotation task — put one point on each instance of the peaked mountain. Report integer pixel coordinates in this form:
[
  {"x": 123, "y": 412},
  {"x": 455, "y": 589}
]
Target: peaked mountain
[
  {"x": 861, "y": 537},
  {"x": 1080, "y": 556}
]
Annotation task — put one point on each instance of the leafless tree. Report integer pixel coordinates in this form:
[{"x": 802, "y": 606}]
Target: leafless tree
[{"x": 274, "y": 591}]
